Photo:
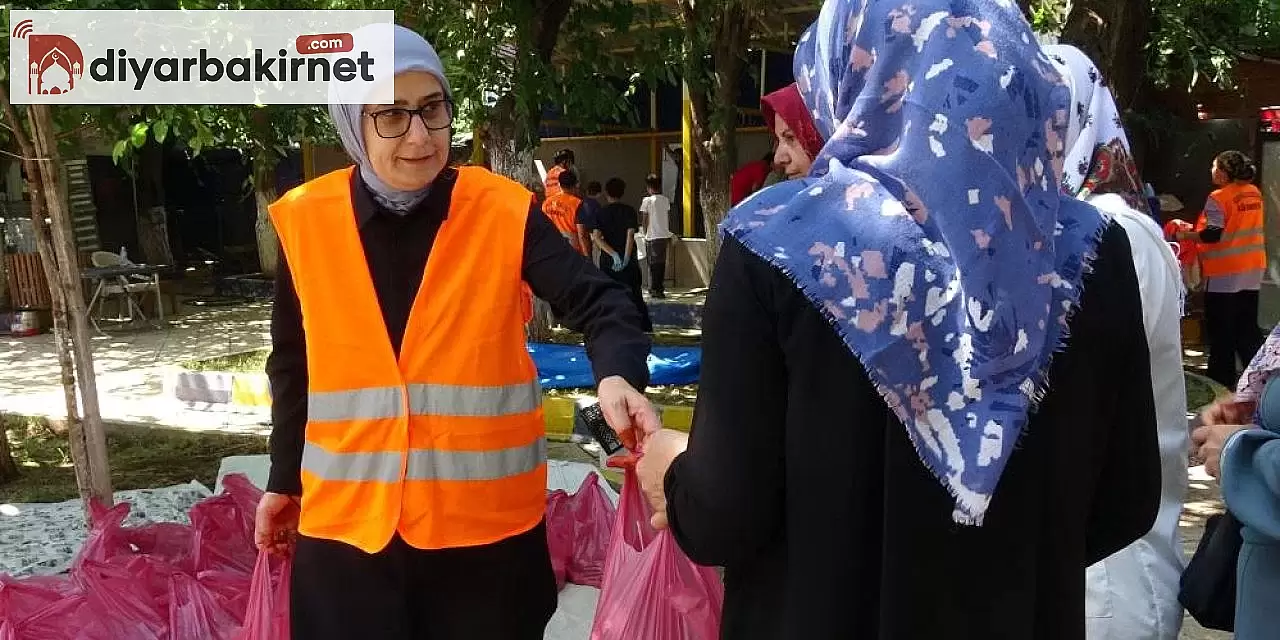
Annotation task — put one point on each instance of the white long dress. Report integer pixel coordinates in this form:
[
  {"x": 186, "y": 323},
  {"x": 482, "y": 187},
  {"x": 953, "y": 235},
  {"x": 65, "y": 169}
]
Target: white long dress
[{"x": 1133, "y": 594}]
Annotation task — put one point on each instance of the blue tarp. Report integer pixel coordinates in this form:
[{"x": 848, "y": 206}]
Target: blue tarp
[{"x": 566, "y": 367}]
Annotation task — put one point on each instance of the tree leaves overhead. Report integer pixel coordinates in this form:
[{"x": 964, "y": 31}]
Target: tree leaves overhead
[
  {"x": 510, "y": 48},
  {"x": 1190, "y": 41},
  {"x": 1200, "y": 39}
]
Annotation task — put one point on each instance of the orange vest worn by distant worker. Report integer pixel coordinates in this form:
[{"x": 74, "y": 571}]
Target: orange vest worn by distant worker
[
  {"x": 562, "y": 209},
  {"x": 1242, "y": 248},
  {"x": 444, "y": 445}
]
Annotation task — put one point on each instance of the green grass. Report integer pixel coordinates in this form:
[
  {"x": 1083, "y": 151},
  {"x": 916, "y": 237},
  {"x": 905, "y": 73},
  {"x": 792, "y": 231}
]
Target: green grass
[
  {"x": 662, "y": 337},
  {"x": 244, "y": 362},
  {"x": 140, "y": 458},
  {"x": 1201, "y": 391},
  {"x": 669, "y": 395}
]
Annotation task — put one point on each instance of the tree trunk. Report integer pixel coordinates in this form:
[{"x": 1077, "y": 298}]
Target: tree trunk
[
  {"x": 511, "y": 145},
  {"x": 512, "y": 130},
  {"x": 263, "y": 173},
  {"x": 62, "y": 343},
  {"x": 8, "y": 468},
  {"x": 540, "y": 327},
  {"x": 153, "y": 227},
  {"x": 92, "y": 437},
  {"x": 1104, "y": 30},
  {"x": 715, "y": 111},
  {"x": 92, "y": 474},
  {"x": 268, "y": 241}
]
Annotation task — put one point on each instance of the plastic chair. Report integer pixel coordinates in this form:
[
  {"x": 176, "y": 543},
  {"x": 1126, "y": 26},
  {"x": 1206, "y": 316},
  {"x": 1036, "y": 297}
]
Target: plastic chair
[{"x": 121, "y": 286}]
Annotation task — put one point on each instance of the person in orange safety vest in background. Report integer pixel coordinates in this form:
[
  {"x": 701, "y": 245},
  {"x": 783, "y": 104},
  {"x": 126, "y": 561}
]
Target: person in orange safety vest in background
[
  {"x": 408, "y": 451},
  {"x": 563, "y": 162},
  {"x": 565, "y": 209},
  {"x": 1233, "y": 258}
]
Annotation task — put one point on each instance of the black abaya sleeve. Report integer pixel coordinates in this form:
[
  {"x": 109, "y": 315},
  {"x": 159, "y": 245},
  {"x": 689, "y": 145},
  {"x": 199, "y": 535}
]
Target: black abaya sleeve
[
  {"x": 1127, "y": 495},
  {"x": 725, "y": 493}
]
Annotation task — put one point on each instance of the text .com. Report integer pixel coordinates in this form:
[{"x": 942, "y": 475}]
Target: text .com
[{"x": 118, "y": 66}]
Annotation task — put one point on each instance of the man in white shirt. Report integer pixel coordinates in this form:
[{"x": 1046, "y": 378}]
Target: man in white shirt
[{"x": 655, "y": 222}]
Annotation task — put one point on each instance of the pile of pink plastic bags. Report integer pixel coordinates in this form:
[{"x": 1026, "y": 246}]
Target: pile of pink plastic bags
[
  {"x": 206, "y": 580},
  {"x": 203, "y": 581}
]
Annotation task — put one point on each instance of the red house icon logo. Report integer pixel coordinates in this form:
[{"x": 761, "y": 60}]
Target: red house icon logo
[{"x": 54, "y": 61}]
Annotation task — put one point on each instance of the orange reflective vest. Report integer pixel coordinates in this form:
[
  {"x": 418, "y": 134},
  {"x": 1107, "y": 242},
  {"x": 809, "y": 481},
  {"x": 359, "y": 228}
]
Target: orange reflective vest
[
  {"x": 445, "y": 444},
  {"x": 1243, "y": 245},
  {"x": 562, "y": 209},
  {"x": 552, "y": 184}
]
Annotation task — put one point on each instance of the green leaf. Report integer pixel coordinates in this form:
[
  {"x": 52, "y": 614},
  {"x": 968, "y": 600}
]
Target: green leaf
[
  {"x": 160, "y": 130},
  {"x": 138, "y": 136},
  {"x": 118, "y": 151}
]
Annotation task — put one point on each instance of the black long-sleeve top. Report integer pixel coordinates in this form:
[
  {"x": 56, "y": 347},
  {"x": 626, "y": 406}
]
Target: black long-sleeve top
[
  {"x": 396, "y": 248},
  {"x": 800, "y": 481}
]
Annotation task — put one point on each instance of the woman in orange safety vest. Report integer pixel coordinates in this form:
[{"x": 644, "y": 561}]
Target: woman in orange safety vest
[
  {"x": 564, "y": 161},
  {"x": 1233, "y": 258},
  {"x": 408, "y": 451}
]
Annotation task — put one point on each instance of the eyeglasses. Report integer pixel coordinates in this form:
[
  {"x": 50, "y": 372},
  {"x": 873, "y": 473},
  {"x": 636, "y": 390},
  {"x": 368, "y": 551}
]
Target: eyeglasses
[{"x": 394, "y": 122}]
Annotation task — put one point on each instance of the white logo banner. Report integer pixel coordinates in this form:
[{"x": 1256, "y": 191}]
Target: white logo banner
[{"x": 199, "y": 57}]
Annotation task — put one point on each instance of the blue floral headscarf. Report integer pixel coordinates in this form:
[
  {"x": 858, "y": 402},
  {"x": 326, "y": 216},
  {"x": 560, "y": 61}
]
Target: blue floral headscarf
[{"x": 932, "y": 232}]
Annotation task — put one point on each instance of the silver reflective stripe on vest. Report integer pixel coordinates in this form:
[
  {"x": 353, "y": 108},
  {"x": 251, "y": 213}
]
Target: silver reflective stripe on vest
[
  {"x": 424, "y": 400},
  {"x": 1237, "y": 250},
  {"x": 358, "y": 404},
  {"x": 424, "y": 464},
  {"x": 381, "y": 466},
  {"x": 1236, "y": 235},
  {"x": 458, "y": 400},
  {"x": 434, "y": 464}
]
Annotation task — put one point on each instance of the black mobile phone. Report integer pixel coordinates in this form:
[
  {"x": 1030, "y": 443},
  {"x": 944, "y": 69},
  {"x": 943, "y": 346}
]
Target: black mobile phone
[{"x": 592, "y": 418}]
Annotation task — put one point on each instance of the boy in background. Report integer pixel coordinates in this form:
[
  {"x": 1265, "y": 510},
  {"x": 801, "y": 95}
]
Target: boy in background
[
  {"x": 655, "y": 219},
  {"x": 565, "y": 211},
  {"x": 614, "y": 234}
]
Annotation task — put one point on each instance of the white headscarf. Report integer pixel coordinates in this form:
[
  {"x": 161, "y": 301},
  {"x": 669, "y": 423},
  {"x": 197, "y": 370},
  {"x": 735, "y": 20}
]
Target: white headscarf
[
  {"x": 412, "y": 53},
  {"x": 1098, "y": 157},
  {"x": 1099, "y": 165}
]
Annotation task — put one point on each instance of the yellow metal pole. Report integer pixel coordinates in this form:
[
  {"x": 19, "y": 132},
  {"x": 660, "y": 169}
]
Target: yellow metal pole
[
  {"x": 655, "y": 164},
  {"x": 686, "y": 147}
]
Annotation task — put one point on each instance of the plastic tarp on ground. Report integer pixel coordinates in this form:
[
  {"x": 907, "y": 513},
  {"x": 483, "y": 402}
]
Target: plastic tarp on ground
[{"x": 566, "y": 367}]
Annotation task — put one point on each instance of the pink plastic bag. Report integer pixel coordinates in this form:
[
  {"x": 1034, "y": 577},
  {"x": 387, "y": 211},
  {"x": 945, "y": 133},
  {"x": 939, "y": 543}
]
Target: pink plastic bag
[
  {"x": 559, "y": 534},
  {"x": 223, "y": 527},
  {"x": 119, "y": 602},
  {"x": 230, "y": 589},
  {"x": 59, "y": 620},
  {"x": 21, "y": 599},
  {"x": 109, "y": 541},
  {"x": 194, "y": 612},
  {"x": 106, "y": 540},
  {"x": 593, "y": 515},
  {"x": 268, "y": 615},
  {"x": 651, "y": 589}
]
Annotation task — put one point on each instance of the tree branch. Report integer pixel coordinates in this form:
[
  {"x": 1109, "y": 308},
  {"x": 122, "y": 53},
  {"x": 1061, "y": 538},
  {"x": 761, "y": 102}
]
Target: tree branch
[{"x": 551, "y": 16}]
